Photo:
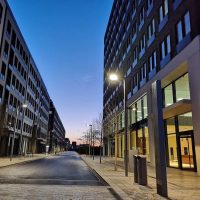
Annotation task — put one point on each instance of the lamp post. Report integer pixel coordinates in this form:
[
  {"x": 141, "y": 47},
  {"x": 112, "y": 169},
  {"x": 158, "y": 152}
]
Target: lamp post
[
  {"x": 15, "y": 126},
  {"x": 89, "y": 143},
  {"x": 92, "y": 140},
  {"x": 90, "y": 137},
  {"x": 114, "y": 77}
]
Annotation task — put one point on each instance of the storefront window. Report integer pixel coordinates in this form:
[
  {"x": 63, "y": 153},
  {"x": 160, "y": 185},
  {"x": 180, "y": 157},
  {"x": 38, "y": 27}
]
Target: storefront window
[
  {"x": 145, "y": 106},
  {"x": 139, "y": 110},
  {"x": 146, "y": 142},
  {"x": 170, "y": 125},
  {"x": 168, "y": 93},
  {"x": 172, "y": 150},
  {"x": 133, "y": 140},
  {"x": 185, "y": 122},
  {"x": 140, "y": 141},
  {"x": 182, "y": 88},
  {"x": 172, "y": 143},
  {"x": 133, "y": 115}
]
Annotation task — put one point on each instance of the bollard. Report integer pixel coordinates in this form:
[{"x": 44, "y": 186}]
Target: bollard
[{"x": 142, "y": 170}]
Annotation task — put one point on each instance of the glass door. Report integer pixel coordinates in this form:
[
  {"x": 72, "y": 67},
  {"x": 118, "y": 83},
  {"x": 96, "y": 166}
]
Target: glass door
[{"x": 186, "y": 149}]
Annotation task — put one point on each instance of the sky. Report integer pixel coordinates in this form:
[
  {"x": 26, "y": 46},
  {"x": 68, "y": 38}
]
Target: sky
[{"x": 66, "y": 40}]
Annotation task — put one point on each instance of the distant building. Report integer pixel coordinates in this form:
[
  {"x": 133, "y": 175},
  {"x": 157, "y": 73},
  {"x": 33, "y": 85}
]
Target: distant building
[
  {"x": 73, "y": 146},
  {"x": 57, "y": 140},
  {"x": 67, "y": 142}
]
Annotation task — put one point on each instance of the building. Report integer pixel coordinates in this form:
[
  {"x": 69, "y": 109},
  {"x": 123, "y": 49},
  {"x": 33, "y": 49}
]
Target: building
[
  {"x": 145, "y": 41},
  {"x": 56, "y": 130},
  {"x": 24, "y": 100},
  {"x": 73, "y": 146},
  {"x": 67, "y": 142}
]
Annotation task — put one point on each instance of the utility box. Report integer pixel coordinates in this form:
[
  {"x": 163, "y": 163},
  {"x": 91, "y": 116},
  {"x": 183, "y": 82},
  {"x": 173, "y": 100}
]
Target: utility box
[{"x": 140, "y": 170}]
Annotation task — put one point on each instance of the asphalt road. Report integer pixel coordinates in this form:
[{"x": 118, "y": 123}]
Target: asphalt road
[{"x": 64, "y": 169}]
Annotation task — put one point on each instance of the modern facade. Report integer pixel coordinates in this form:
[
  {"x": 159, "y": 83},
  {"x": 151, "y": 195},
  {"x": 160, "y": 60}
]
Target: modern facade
[
  {"x": 146, "y": 41},
  {"x": 56, "y": 130},
  {"x": 20, "y": 84}
]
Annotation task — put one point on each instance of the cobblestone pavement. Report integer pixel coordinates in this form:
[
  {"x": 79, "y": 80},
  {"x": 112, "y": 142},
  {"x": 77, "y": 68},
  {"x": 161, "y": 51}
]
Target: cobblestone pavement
[
  {"x": 54, "y": 192},
  {"x": 182, "y": 185}
]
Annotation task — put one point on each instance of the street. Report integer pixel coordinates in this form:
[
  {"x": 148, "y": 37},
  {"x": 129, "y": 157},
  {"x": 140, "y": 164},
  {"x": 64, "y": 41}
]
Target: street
[{"x": 63, "y": 176}]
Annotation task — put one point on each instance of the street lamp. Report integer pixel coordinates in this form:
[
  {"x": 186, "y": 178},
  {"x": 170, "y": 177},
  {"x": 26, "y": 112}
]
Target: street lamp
[
  {"x": 114, "y": 77},
  {"x": 92, "y": 140},
  {"x": 15, "y": 126}
]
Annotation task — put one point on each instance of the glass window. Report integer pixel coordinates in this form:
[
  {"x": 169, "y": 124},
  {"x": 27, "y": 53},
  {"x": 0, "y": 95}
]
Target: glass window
[
  {"x": 163, "y": 10},
  {"x": 133, "y": 114},
  {"x": 160, "y": 14},
  {"x": 185, "y": 122},
  {"x": 152, "y": 61},
  {"x": 145, "y": 106},
  {"x": 142, "y": 43},
  {"x": 170, "y": 125},
  {"x": 183, "y": 27},
  {"x": 139, "y": 110},
  {"x": 166, "y": 7},
  {"x": 151, "y": 29},
  {"x": 168, "y": 94},
  {"x": 141, "y": 15},
  {"x": 134, "y": 54},
  {"x": 182, "y": 88},
  {"x": 133, "y": 140},
  {"x": 140, "y": 141},
  {"x": 179, "y": 31},
  {"x": 165, "y": 47},
  {"x": 187, "y": 23},
  {"x": 143, "y": 71},
  {"x": 168, "y": 44},
  {"x": 135, "y": 80},
  {"x": 172, "y": 150},
  {"x": 172, "y": 143}
]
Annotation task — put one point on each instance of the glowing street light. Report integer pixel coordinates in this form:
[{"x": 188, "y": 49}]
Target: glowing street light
[{"x": 114, "y": 77}]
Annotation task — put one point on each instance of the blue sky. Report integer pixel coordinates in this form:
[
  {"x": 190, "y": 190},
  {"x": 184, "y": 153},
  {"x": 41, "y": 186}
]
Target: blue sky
[{"x": 66, "y": 42}]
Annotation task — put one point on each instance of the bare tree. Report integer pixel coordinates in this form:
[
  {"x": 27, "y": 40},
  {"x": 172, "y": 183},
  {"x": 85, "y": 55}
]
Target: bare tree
[
  {"x": 98, "y": 132},
  {"x": 111, "y": 122}
]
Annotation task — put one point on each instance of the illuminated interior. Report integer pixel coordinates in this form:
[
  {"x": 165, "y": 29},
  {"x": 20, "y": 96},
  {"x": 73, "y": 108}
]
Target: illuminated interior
[{"x": 180, "y": 134}]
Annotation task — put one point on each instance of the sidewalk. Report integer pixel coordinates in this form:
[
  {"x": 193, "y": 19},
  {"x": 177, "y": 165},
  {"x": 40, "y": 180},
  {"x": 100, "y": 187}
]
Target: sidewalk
[
  {"x": 5, "y": 161},
  {"x": 181, "y": 184}
]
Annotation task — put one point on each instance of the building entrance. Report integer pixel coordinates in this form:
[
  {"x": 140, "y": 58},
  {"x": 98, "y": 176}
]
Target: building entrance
[
  {"x": 180, "y": 142},
  {"x": 187, "y": 150}
]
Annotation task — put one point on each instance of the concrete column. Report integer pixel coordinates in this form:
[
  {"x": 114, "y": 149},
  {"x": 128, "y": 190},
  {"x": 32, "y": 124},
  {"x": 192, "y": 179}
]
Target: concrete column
[
  {"x": 194, "y": 72},
  {"x": 159, "y": 139}
]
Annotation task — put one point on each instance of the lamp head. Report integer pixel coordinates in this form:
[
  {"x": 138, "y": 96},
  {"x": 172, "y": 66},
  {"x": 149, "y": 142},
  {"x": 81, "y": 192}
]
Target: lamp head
[{"x": 113, "y": 77}]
